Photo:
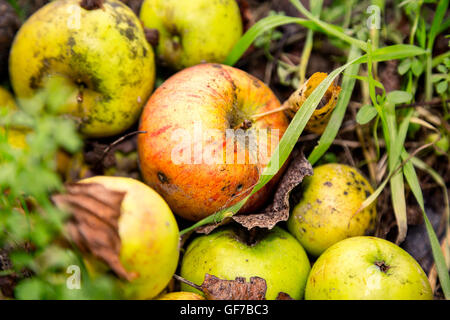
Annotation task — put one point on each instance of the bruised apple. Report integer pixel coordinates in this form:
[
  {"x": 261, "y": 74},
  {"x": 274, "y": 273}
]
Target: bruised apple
[
  {"x": 97, "y": 51},
  {"x": 205, "y": 143},
  {"x": 193, "y": 31},
  {"x": 149, "y": 236},
  {"x": 328, "y": 208}
]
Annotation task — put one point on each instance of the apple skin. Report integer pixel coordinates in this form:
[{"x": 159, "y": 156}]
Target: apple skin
[
  {"x": 182, "y": 295},
  {"x": 326, "y": 212},
  {"x": 347, "y": 270},
  {"x": 6, "y": 99},
  {"x": 106, "y": 65},
  {"x": 190, "y": 30},
  {"x": 16, "y": 136},
  {"x": 149, "y": 236},
  {"x": 277, "y": 257},
  {"x": 217, "y": 97}
]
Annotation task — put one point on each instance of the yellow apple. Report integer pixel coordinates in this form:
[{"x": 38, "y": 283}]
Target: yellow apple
[
  {"x": 327, "y": 211},
  {"x": 182, "y": 295},
  {"x": 149, "y": 236},
  {"x": 193, "y": 31},
  {"x": 100, "y": 57}
]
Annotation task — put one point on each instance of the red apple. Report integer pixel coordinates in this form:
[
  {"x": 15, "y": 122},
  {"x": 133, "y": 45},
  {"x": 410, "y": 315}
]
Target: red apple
[{"x": 189, "y": 154}]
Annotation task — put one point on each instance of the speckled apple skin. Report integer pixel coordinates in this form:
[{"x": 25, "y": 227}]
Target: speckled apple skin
[
  {"x": 217, "y": 97},
  {"x": 327, "y": 209},
  {"x": 104, "y": 65},
  {"x": 347, "y": 271}
]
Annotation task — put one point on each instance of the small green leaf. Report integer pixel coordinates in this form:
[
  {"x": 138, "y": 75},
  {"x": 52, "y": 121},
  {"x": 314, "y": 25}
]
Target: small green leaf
[
  {"x": 397, "y": 97},
  {"x": 417, "y": 67},
  {"x": 441, "y": 68},
  {"x": 441, "y": 87},
  {"x": 366, "y": 114},
  {"x": 404, "y": 66}
]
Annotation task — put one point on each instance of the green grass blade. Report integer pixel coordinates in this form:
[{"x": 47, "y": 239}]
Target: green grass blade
[
  {"x": 259, "y": 28},
  {"x": 328, "y": 28},
  {"x": 394, "y": 52},
  {"x": 397, "y": 183},
  {"x": 439, "y": 15},
  {"x": 348, "y": 83},
  {"x": 441, "y": 266},
  {"x": 316, "y": 8}
]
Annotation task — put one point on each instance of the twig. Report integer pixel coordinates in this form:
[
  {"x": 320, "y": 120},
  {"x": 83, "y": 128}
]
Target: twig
[
  {"x": 112, "y": 145},
  {"x": 189, "y": 283}
]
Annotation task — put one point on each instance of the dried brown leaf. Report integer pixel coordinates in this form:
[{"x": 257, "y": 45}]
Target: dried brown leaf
[
  {"x": 278, "y": 210},
  {"x": 218, "y": 289},
  {"x": 93, "y": 225}
]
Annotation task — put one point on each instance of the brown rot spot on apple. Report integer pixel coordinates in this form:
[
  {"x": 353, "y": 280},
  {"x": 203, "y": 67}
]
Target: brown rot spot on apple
[
  {"x": 152, "y": 36},
  {"x": 162, "y": 177},
  {"x": 91, "y": 4},
  {"x": 218, "y": 66},
  {"x": 382, "y": 266},
  {"x": 239, "y": 187},
  {"x": 328, "y": 184}
]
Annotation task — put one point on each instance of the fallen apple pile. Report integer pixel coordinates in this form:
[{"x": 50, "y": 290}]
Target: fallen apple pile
[{"x": 205, "y": 136}]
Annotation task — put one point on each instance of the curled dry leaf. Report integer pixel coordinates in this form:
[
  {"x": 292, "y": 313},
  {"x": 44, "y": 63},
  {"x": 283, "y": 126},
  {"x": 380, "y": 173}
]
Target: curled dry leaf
[
  {"x": 218, "y": 289},
  {"x": 93, "y": 225},
  {"x": 278, "y": 210},
  {"x": 215, "y": 288},
  {"x": 319, "y": 119}
]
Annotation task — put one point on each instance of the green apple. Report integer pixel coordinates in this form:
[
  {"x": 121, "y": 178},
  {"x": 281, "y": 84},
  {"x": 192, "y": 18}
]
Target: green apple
[
  {"x": 367, "y": 268},
  {"x": 149, "y": 237},
  {"x": 193, "y": 31},
  {"x": 327, "y": 210},
  {"x": 226, "y": 253},
  {"x": 99, "y": 56}
]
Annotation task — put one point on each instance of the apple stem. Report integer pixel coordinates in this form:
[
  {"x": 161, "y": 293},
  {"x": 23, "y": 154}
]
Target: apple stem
[
  {"x": 383, "y": 266},
  {"x": 246, "y": 124},
  {"x": 91, "y": 4},
  {"x": 284, "y": 107},
  {"x": 108, "y": 148},
  {"x": 189, "y": 283}
]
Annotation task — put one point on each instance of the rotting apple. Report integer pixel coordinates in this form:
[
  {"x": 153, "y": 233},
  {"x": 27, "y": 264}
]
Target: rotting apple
[
  {"x": 327, "y": 211},
  {"x": 149, "y": 236},
  {"x": 181, "y": 295},
  {"x": 367, "y": 268},
  {"x": 227, "y": 253},
  {"x": 100, "y": 56},
  {"x": 193, "y": 31},
  {"x": 190, "y": 152}
]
